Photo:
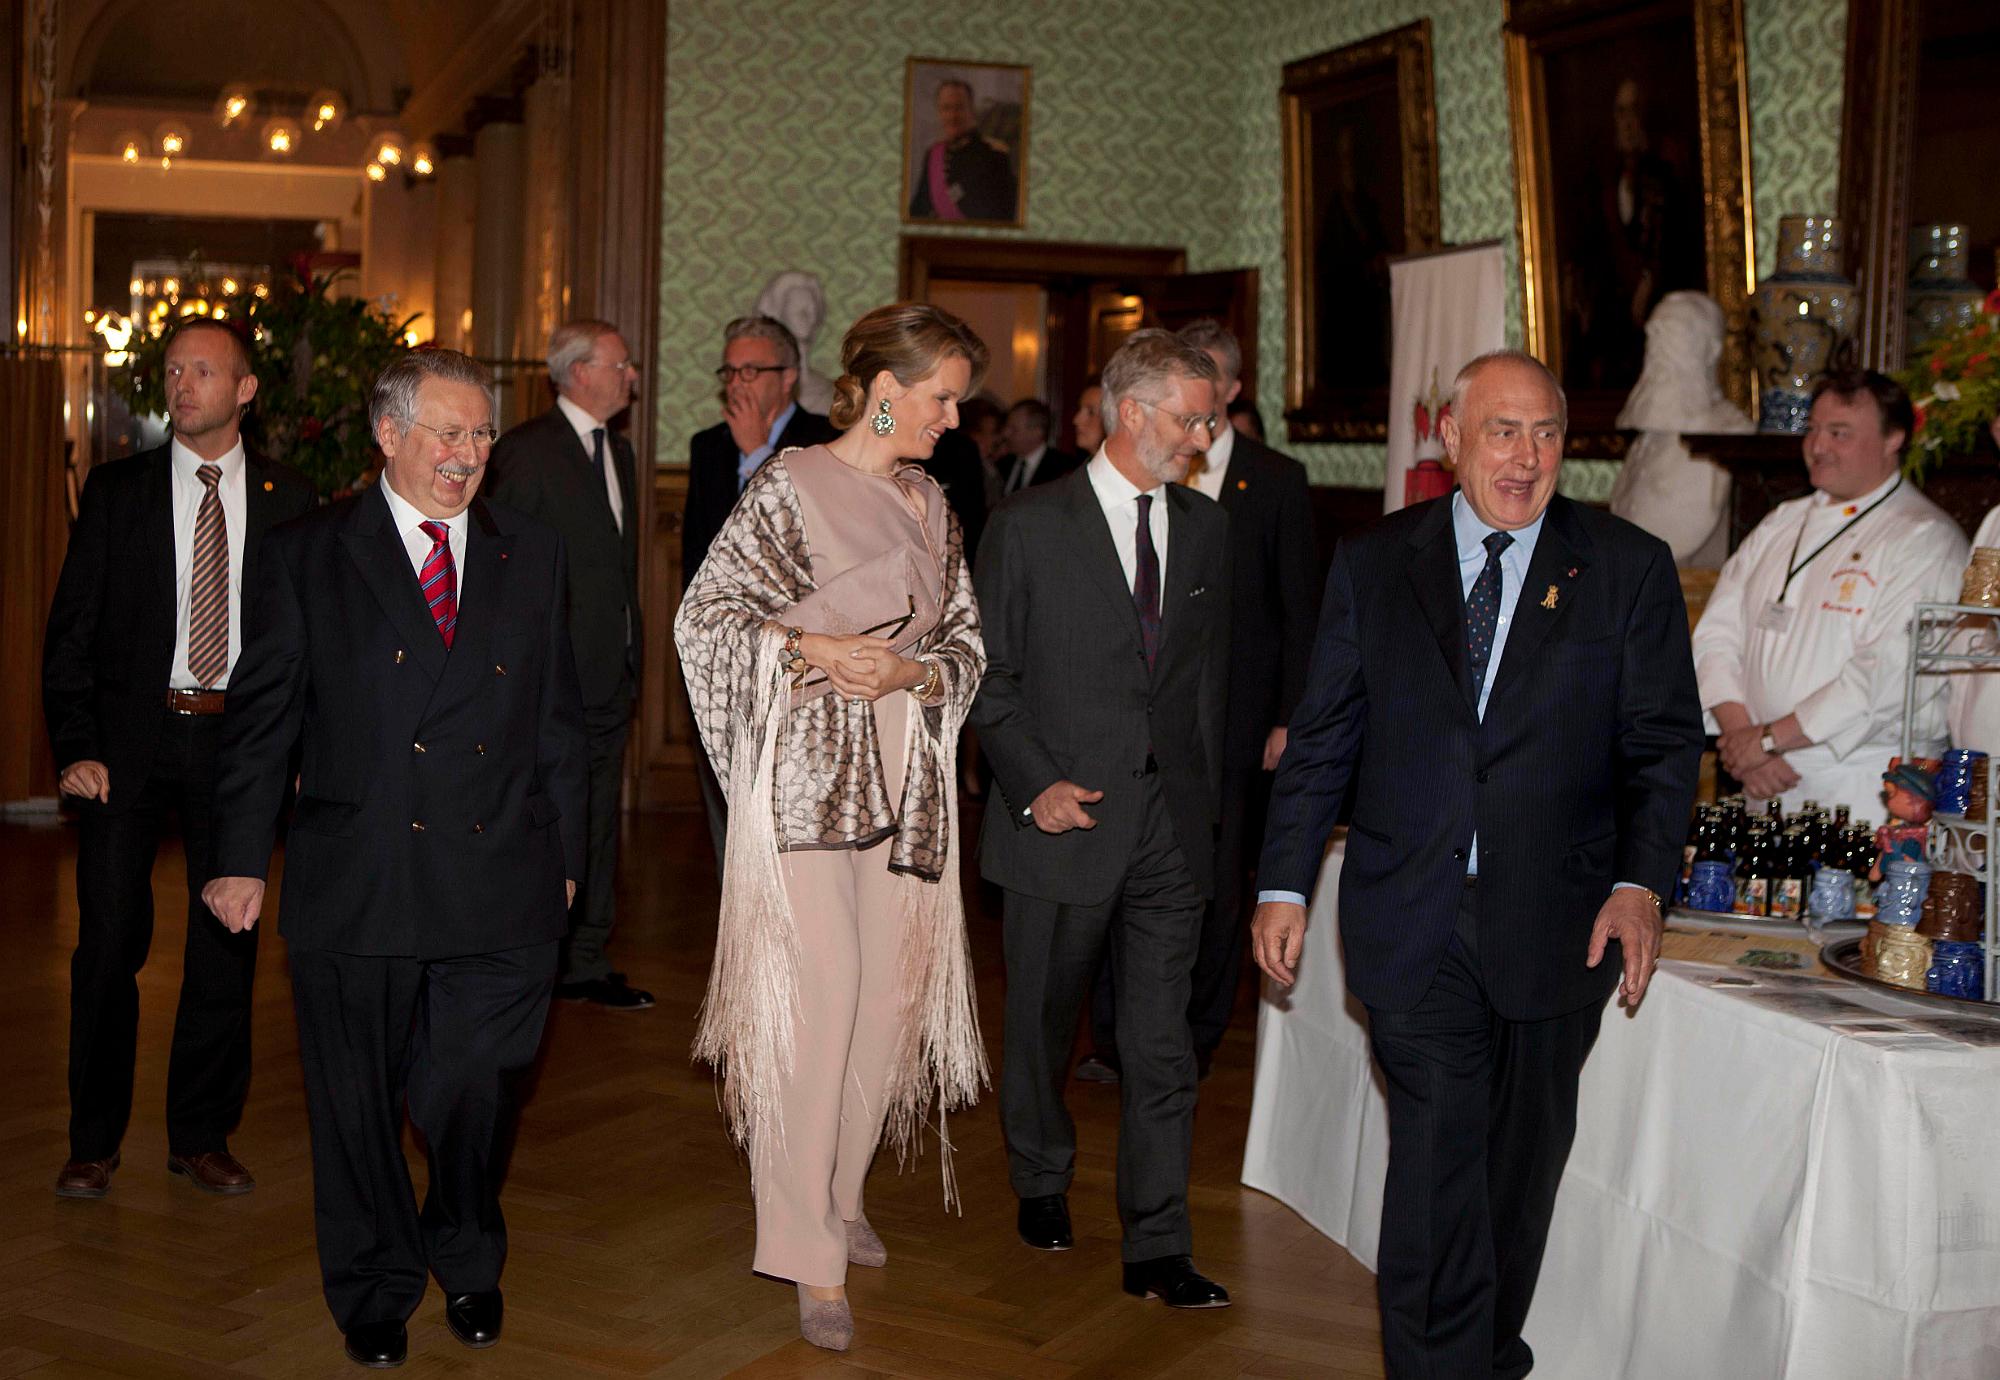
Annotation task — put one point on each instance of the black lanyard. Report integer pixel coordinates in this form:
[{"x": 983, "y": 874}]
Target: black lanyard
[{"x": 1793, "y": 565}]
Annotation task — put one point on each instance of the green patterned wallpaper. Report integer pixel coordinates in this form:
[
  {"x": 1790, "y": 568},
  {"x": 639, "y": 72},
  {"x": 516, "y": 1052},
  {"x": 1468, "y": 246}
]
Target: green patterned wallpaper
[{"x": 1152, "y": 124}]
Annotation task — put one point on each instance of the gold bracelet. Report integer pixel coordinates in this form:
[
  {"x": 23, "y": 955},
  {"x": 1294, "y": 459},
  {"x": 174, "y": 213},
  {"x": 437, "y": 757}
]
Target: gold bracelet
[
  {"x": 933, "y": 681},
  {"x": 795, "y": 662}
]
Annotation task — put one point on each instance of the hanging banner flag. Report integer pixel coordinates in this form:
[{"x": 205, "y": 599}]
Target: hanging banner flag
[{"x": 1445, "y": 309}]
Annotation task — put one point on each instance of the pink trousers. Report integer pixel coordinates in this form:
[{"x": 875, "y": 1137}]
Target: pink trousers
[{"x": 850, "y": 927}]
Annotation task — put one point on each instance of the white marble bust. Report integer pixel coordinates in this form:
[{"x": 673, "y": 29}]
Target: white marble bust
[{"x": 796, "y": 298}]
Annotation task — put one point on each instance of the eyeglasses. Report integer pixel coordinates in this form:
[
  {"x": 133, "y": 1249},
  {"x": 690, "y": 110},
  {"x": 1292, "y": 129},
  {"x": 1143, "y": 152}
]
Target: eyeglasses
[
  {"x": 619, "y": 364},
  {"x": 1190, "y": 423},
  {"x": 452, "y": 437},
  {"x": 748, "y": 372}
]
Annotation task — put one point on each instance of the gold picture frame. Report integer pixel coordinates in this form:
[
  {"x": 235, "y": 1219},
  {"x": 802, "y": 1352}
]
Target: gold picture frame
[
  {"x": 1350, "y": 207},
  {"x": 1614, "y": 212},
  {"x": 986, "y": 180}
]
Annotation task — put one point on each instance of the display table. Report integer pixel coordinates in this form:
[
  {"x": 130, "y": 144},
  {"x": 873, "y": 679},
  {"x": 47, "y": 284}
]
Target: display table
[{"x": 1759, "y": 1187}]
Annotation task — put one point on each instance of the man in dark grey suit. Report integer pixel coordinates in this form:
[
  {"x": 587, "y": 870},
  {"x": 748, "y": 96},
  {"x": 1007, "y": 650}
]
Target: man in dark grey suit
[
  {"x": 1105, "y": 601},
  {"x": 569, "y": 469}
]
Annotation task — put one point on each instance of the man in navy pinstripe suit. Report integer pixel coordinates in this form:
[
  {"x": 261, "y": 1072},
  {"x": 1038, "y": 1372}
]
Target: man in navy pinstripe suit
[{"x": 1503, "y": 677}]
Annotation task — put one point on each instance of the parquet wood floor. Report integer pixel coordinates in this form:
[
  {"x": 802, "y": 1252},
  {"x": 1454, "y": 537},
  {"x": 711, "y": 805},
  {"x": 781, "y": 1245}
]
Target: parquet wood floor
[{"x": 629, "y": 1214}]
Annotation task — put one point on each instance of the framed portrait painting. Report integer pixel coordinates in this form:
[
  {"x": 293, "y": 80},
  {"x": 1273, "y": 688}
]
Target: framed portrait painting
[
  {"x": 1632, "y": 181},
  {"x": 1361, "y": 189},
  {"x": 965, "y": 143}
]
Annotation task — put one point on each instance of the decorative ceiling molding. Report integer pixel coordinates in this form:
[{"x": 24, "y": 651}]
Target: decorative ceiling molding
[{"x": 487, "y": 58}]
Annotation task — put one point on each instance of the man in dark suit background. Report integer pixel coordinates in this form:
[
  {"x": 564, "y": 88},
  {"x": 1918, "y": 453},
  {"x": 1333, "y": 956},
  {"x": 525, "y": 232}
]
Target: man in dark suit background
[
  {"x": 1504, "y": 678},
  {"x": 1274, "y": 602},
  {"x": 413, "y": 642},
  {"x": 1104, "y": 599},
  {"x": 1033, "y": 460},
  {"x": 761, "y": 416},
  {"x": 569, "y": 469},
  {"x": 143, "y": 638}
]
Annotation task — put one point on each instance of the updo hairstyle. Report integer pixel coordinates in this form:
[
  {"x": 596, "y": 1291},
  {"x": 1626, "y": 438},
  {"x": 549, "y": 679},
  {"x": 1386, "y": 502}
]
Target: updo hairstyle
[{"x": 910, "y": 340}]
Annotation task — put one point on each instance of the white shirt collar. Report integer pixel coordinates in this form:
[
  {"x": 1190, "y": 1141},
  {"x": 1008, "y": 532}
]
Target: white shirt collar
[
  {"x": 187, "y": 462},
  {"x": 406, "y": 516},
  {"x": 1822, "y": 499},
  {"x": 1221, "y": 447},
  {"x": 582, "y": 421},
  {"x": 1114, "y": 489}
]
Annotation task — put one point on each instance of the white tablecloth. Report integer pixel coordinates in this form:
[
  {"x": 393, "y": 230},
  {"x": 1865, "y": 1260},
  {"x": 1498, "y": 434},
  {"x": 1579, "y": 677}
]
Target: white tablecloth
[{"x": 1751, "y": 1194}]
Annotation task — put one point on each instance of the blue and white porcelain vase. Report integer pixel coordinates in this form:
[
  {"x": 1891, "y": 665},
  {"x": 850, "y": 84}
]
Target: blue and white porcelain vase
[
  {"x": 1941, "y": 296},
  {"x": 1802, "y": 314}
]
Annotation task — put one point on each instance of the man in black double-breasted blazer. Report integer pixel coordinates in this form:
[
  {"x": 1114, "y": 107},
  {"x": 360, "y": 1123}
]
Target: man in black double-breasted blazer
[
  {"x": 569, "y": 469},
  {"x": 1503, "y": 677},
  {"x": 761, "y": 416},
  {"x": 143, "y": 638},
  {"x": 412, "y": 642},
  {"x": 1104, "y": 598}
]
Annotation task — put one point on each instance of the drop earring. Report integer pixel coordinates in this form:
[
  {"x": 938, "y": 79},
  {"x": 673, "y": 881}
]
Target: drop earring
[{"x": 882, "y": 422}]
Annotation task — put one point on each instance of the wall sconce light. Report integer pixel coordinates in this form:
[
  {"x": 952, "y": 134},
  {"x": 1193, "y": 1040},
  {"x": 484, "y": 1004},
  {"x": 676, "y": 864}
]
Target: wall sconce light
[
  {"x": 389, "y": 150},
  {"x": 131, "y": 146},
  {"x": 325, "y": 110},
  {"x": 376, "y": 172},
  {"x": 423, "y": 158},
  {"x": 173, "y": 140},
  {"x": 234, "y": 106},
  {"x": 281, "y": 136}
]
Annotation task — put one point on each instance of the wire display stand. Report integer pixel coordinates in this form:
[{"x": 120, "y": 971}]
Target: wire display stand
[{"x": 1962, "y": 639}]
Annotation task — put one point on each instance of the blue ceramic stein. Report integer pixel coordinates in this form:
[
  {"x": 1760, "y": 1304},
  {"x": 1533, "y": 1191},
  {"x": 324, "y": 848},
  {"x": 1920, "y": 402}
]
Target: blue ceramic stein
[
  {"x": 1957, "y": 970},
  {"x": 1832, "y": 895},
  {"x": 1710, "y": 888},
  {"x": 1899, "y": 899},
  {"x": 1954, "y": 780}
]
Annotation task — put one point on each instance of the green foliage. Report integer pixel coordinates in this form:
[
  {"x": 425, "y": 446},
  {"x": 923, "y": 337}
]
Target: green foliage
[
  {"x": 1956, "y": 386},
  {"x": 316, "y": 358}
]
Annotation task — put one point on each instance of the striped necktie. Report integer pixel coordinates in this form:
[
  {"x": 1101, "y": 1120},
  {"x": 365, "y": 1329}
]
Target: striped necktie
[
  {"x": 208, "y": 593},
  {"x": 440, "y": 580}
]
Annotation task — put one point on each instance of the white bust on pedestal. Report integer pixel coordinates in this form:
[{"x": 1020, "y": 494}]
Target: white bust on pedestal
[
  {"x": 1679, "y": 499},
  {"x": 796, "y": 298}
]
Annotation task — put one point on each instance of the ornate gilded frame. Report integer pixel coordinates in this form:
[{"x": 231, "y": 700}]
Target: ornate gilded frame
[
  {"x": 1533, "y": 28},
  {"x": 1314, "y": 410},
  {"x": 913, "y": 67}
]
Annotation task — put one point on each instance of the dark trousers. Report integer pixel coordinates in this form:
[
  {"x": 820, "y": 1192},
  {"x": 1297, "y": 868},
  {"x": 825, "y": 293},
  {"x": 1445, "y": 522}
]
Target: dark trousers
[
  {"x": 715, "y": 805},
  {"x": 208, "y": 1071},
  {"x": 451, "y": 1037},
  {"x": 1218, "y": 961},
  {"x": 590, "y": 919},
  {"x": 1482, "y": 1111},
  {"x": 1148, "y": 927}
]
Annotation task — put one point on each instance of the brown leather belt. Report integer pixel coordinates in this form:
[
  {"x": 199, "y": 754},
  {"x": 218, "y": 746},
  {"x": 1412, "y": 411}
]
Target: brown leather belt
[{"x": 196, "y": 702}]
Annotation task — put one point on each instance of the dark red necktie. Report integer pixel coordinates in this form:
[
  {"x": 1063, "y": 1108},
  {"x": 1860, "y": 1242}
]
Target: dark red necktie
[
  {"x": 440, "y": 580},
  {"x": 1146, "y": 581}
]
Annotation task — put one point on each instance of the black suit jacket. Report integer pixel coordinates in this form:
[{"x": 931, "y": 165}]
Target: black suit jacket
[
  {"x": 712, "y": 486},
  {"x": 542, "y": 468},
  {"x": 109, "y": 652},
  {"x": 1581, "y": 774},
  {"x": 441, "y": 801},
  {"x": 1067, "y": 693},
  {"x": 1055, "y": 463},
  {"x": 1274, "y": 593}
]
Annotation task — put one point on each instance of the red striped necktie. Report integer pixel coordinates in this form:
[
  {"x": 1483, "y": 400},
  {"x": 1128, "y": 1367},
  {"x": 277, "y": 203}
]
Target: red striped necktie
[{"x": 440, "y": 580}]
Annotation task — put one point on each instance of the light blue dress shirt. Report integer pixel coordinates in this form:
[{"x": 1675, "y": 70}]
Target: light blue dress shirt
[
  {"x": 746, "y": 465},
  {"x": 1470, "y": 534}
]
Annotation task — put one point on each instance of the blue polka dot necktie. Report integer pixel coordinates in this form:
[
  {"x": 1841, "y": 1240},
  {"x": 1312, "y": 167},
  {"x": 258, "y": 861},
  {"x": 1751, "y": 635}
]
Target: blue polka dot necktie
[{"x": 1482, "y": 612}]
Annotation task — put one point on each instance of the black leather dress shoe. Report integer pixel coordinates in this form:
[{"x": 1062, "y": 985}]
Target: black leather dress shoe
[
  {"x": 610, "y": 991},
  {"x": 1044, "y": 1223},
  {"x": 378, "y": 1345},
  {"x": 474, "y": 1318},
  {"x": 1174, "y": 1279}
]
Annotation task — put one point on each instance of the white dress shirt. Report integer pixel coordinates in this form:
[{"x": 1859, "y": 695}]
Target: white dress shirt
[
  {"x": 1209, "y": 481},
  {"x": 585, "y": 424},
  {"x": 1833, "y": 647},
  {"x": 409, "y": 525},
  {"x": 1120, "y": 502},
  {"x": 188, "y": 491}
]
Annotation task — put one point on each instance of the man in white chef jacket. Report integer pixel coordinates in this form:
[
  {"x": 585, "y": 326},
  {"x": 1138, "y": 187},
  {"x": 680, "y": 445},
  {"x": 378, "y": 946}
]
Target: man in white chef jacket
[
  {"x": 1975, "y": 691},
  {"x": 1801, "y": 651}
]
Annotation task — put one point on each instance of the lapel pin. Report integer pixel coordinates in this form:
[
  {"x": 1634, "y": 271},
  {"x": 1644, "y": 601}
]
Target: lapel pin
[
  {"x": 503, "y": 555},
  {"x": 1572, "y": 573},
  {"x": 1242, "y": 484},
  {"x": 1549, "y": 599},
  {"x": 268, "y": 486}
]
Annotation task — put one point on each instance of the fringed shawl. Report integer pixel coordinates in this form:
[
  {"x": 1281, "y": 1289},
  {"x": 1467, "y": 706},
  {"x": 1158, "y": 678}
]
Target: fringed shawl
[{"x": 811, "y": 777}]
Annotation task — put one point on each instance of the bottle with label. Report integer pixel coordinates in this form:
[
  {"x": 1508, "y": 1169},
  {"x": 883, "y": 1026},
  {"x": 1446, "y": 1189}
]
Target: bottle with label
[
  {"x": 1698, "y": 828},
  {"x": 1791, "y": 871},
  {"x": 1753, "y": 874},
  {"x": 1860, "y": 861}
]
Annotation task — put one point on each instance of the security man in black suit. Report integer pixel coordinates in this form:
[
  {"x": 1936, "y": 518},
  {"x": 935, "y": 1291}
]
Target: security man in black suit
[
  {"x": 1503, "y": 677},
  {"x": 1104, "y": 599},
  {"x": 413, "y": 642},
  {"x": 569, "y": 469},
  {"x": 143, "y": 637},
  {"x": 761, "y": 416},
  {"x": 1028, "y": 433}
]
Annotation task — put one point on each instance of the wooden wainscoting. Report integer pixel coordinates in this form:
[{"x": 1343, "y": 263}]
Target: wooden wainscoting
[{"x": 663, "y": 767}]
